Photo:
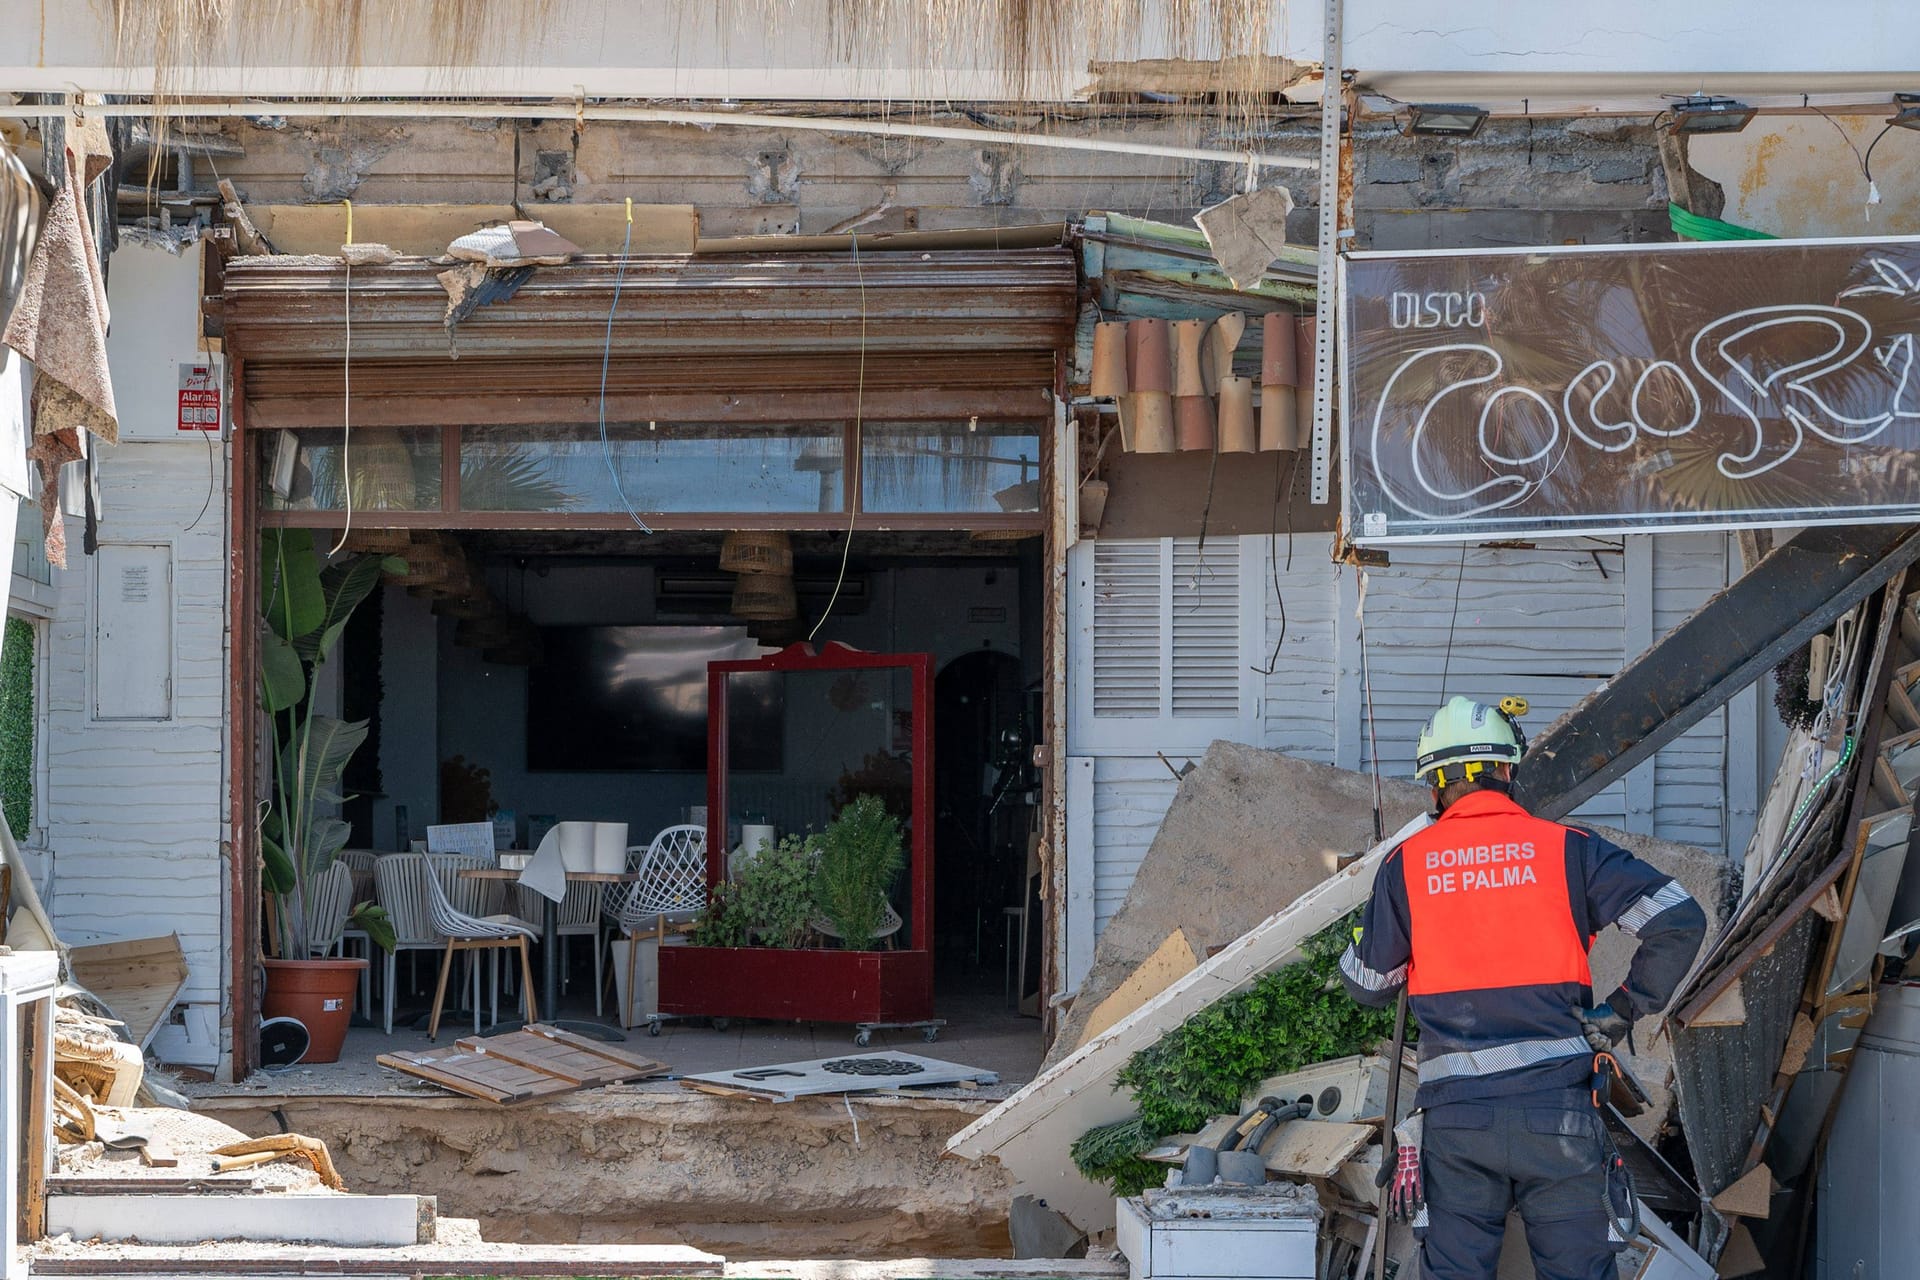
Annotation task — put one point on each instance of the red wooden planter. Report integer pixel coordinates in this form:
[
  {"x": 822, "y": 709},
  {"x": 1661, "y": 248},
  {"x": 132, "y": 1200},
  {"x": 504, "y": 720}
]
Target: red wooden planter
[
  {"x": 813, "y": 985},
  {"x": 777, "y": 983}
]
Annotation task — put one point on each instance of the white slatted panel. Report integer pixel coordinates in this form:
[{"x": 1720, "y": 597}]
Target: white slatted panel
[
  {"x": 1128, "y": 602},
  {"x": 136, "y": 810},
  {"x": 1206, "y": 629},
  {"x": 1546, "y": 623},
  {"x": 1297, "y": 709},
  {"x": 1130, "y": 796},
  {"x": 1689, "y": 788}
]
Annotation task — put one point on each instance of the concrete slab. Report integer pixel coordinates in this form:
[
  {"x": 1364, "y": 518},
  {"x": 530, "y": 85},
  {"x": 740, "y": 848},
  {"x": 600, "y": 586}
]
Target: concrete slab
[
  {"x": 354, "y": 1222},
  {"x": 55, "y": 1258},
  {"x": 1247, "y": 833}
]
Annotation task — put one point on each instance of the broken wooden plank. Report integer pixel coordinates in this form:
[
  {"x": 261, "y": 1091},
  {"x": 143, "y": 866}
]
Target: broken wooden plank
[
  {"x": 1171, "y": 960},
  {"x": 476, "y": 1076},
  {"x": 1749, "y": 1196},
  {"x": 536, "y": 1061},
  {"x": 1314, "y": 1148},
  {"x": 137, "y": 978},
  {"x": 1729, "y": 1009},
  {"x": 1792, "y": 595}
]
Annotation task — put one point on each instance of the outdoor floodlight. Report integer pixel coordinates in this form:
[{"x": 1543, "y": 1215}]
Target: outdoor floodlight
[
  {"x": 1906, "y": 111},
  {"x": 1445, "y": 121},
  {"x": 1710, "y": 115}
]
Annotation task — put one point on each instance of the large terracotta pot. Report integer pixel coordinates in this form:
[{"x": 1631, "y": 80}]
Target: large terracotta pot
[{"x": 320, "y": 994}]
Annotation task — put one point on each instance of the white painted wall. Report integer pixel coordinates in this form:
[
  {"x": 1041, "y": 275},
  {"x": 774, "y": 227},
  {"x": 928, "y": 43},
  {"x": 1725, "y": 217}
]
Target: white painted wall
[
  {"x": 664, "y": 49},
  {"x": 1549, "y": 623},
  {"x": 137, "y": 809},
  {"x": 1806, "y": 175}
]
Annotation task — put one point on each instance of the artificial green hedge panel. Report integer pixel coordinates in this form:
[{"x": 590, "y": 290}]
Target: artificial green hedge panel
[
  {"x": 1288, "y": 1019},
  {"x": 16, "y": 726}
]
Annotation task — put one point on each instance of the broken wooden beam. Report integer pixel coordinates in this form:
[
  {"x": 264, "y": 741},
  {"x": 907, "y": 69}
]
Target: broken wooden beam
[{"x": 1796, "y": 592}]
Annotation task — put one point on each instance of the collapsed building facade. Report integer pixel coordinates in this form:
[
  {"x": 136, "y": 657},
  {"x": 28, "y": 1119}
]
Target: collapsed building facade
[{"x": 874, "y": 343}]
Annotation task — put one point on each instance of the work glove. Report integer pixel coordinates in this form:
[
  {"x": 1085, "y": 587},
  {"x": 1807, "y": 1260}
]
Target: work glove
[
  {"x": 1604, "y": 1025},
  {"x": 1408, "y": 1194}
]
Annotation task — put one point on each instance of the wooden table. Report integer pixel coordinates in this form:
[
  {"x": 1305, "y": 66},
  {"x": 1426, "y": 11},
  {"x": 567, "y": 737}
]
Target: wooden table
[{"x": 550, "y": 935}]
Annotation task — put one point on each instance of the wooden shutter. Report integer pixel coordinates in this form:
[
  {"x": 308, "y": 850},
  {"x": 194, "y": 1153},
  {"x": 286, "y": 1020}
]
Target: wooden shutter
[{"x": 1166, "y": 633}]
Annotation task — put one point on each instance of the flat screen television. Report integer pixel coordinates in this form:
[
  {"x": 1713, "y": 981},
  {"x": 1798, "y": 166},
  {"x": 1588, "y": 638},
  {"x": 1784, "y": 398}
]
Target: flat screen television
[{"x": 619, "y": 699}]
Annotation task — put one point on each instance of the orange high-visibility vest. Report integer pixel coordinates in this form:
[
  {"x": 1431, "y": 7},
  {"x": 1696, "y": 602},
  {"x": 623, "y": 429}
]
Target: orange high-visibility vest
[{"x": 1489, "y": 901}]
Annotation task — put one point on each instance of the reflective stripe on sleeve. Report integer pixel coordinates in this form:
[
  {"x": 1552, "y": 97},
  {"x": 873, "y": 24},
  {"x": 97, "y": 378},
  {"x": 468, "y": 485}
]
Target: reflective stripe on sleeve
[
  {"x": 1635, "y": 917},
  {"x": 1369, "y": 979},
  {"x": 1505, "y": 1057}
]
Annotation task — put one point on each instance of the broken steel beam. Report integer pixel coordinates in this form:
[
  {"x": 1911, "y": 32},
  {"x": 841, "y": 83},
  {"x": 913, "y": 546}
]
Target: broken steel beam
[{"x": 1796, "y": 592}]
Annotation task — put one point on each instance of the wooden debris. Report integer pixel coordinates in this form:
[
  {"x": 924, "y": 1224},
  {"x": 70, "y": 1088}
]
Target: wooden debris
[
  {"x": 246, "y": 236},
  {"x": 1799, "y": 1043},
  {"x": 138, "y": 978},
  {"x": 158, "y": 1155},
  {"x": 1729, "y": 1009},
  {"x": 1314, "y": 1148},
  {"x": 1172, "y": 960},
  {"x": 1741, "y": 1257},
  {"x": 537, "y": 1061},
  {"x": 279, "y": 1146},
  {"x": 1749, "y": 1196}
]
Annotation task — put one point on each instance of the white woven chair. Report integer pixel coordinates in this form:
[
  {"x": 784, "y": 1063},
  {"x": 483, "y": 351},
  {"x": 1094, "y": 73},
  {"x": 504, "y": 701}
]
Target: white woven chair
[
  {"x": 671, "y": 889},
  {"x": 889, "y": 925},
  {"x": 360, "y": 862},
  {"x": 579, "y": 917},
  {"x": 465, "y": 932}
]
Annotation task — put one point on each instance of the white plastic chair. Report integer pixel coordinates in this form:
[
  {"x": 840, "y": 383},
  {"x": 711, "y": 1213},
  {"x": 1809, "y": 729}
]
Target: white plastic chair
[
  {"x": 360, "y": 863},
  {"x": 579, "y": 916},
  {"x": 329, "y": 900},
  {"x": 465, "y": 932},
  {"x": 400, "y": 884},
  {"x": 671, "y": 889},
  {"x": 890, "y": 923}
]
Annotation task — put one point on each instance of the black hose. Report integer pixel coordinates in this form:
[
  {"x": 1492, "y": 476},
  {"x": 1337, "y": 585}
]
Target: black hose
[{"x": 1277, "y": 1114}]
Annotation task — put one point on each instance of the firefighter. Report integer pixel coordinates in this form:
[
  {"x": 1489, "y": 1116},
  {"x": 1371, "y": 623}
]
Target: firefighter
[{"x": 1485, "y": 918}]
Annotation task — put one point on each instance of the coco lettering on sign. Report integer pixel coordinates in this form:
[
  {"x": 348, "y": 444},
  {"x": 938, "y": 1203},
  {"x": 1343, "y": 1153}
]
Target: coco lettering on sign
[{"x": 1629, "y": 388}]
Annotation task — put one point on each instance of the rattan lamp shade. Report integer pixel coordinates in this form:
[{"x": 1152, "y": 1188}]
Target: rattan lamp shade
[{"x": 757, "y": 551}]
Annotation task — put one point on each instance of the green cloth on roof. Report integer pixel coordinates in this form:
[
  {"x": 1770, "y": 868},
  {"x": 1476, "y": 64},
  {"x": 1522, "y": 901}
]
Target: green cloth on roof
[{"x": 1692, "y": 226}]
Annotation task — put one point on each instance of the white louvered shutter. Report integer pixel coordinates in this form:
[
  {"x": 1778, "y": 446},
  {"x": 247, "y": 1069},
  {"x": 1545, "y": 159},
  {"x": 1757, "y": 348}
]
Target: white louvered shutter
[
  {"x": 1127, "y": 606},
  {"x": 1165, "y": 642}
]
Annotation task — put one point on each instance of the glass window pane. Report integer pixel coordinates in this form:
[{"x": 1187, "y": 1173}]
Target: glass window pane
[
  {"x": 942, "y": 466},
  {"x": 678, "y": 467},
  {"x": 384, "y": 469}
]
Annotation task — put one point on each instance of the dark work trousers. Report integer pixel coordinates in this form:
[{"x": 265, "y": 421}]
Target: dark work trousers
[{"x": 1541, "y": 1152}]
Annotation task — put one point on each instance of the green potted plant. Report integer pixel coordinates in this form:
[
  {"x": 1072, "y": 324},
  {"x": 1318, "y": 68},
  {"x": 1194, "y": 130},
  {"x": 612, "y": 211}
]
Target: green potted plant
[
  {"x": 769, "y": 903},
  {"x": 861, "y": 855},
  {"x": 305, "y": 607}
]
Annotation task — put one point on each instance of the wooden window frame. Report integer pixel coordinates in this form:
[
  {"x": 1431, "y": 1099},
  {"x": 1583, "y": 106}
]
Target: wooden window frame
[{"x": 451, "y": 516}]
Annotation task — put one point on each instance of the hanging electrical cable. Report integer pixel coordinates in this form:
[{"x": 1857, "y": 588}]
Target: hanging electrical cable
[
  {"x": 853, "y": 463},
  {"x": 606, "y": 361},
  {"x": 346, "y": 396}
]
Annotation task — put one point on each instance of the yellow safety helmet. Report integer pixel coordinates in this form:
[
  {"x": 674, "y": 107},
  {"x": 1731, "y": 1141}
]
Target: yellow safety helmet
[{"x": 1471, "y": 735}]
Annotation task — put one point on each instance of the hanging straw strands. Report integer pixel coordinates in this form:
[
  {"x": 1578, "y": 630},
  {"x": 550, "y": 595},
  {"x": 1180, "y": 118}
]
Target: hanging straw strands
[{"x": 1033, "y": 49}]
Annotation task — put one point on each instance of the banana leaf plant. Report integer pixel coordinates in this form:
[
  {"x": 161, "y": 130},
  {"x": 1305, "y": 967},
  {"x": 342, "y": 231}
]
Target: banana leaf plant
[{"x": 305, "y": 606}]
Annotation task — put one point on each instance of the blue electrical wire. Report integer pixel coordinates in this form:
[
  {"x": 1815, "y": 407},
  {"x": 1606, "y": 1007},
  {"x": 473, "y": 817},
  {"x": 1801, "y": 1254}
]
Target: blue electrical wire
[{"x": 606, "y": 359}]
